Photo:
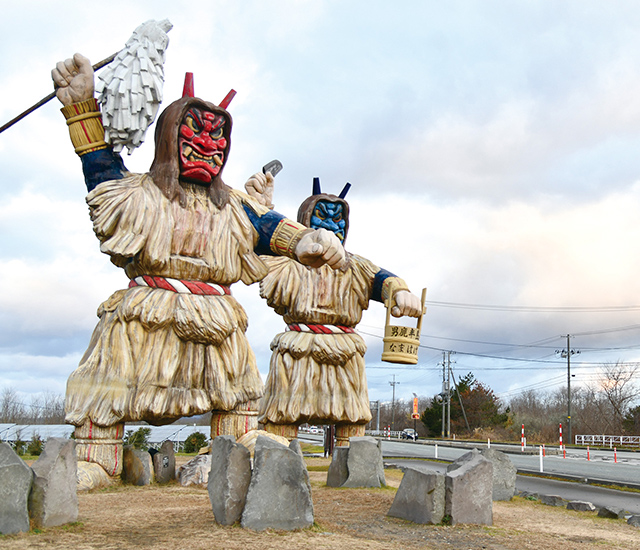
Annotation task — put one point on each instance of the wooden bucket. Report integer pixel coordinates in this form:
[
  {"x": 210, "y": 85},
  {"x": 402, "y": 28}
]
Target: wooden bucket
[{"x": 401, "y": 343}]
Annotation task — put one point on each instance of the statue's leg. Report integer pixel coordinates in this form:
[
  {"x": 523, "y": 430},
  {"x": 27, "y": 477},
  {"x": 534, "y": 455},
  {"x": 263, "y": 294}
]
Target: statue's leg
[
  {"x": 236, "y": 422},
  {"x": 102, "y": 445},
  {"x": 345, "y": 431},
  {"x": 290, "y": 431}
]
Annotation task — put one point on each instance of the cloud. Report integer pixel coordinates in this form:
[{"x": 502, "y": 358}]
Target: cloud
[{"x": 492, "y": 149}]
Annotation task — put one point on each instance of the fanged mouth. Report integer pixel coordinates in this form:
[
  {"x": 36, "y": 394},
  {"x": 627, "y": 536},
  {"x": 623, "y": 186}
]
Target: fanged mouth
[{"x": 193, "y": 156}]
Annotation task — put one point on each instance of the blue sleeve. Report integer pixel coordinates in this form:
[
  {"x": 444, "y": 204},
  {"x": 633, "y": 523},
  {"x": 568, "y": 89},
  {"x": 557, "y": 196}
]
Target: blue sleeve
[
  {"x": 378, "y": 281},
  {"x": 265, "y": 225},
  {"x": 102, "y": 165}
]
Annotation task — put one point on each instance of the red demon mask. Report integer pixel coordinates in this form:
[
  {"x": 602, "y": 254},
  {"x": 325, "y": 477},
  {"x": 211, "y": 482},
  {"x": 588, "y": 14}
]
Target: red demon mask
[{"x": 201, "y": 145}]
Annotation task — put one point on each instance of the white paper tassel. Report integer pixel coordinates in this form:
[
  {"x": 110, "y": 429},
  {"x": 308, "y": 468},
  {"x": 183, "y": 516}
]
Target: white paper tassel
[{"x": 130, "y": 88}]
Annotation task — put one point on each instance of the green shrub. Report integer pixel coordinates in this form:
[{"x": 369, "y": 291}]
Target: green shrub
[
  {"x": 195, "y": 442},
  {"x": 19, "y": 446},
  {"x": 36, "y": 446},
  {"x": 138, "y": 439}
]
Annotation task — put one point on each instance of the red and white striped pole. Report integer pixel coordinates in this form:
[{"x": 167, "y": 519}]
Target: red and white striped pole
[
  {"x": 560, "y": 434},
  {"x": 522, "y": 439},
  {"x": 588, "y": 455},
  {"x": 615, "y": 455}
]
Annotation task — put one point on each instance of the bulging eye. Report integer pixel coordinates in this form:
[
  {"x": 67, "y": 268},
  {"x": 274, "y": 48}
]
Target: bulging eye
[
  {"x": 191, "y": 124},
  {"x": 318, "y": 214},
  {"x": 338, "y": 217},
  {"x": 216, "y": 134}
]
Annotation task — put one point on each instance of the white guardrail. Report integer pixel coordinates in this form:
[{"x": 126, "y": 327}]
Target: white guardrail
[{"x": 610, "y": 441}]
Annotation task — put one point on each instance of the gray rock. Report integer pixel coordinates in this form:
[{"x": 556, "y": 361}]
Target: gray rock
[
  {"x": 529, "y": 495},
  {"x": 279, "y": 495},
  {"x": 581, "y": 506},
  {"x": 229, "y": 479},
  {"x": 504, "y": 474},
  {"x": 15, "y": 484},
  {"x": 195, "y": 472},
  {"x": 420, "y": 497},
  {"x": 552, "y": 500},
  {"x": 164, "y": 463},
  {"x": 364, "y": 463},
  {"x": 469, "y": 490},
  {"x": 611, "y": 512},
  {"x": 54, "y": 495},
  {"x": 136, "y": 466},
  {"x": 634, "y": 520},
  {"x": 338, "y": 471}
]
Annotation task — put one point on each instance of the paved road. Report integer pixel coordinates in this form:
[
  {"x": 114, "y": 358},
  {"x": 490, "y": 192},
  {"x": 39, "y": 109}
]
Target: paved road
[{"x": 600, "y": 468}]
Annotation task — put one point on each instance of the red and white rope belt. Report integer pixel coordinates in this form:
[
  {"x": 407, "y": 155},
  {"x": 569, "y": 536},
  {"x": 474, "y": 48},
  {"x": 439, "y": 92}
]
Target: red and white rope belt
[
  {"x": 181, "y": 286},
  {"x": 320, "y": 329}
]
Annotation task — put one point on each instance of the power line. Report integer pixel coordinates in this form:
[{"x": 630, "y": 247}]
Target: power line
[{"x": 534, "y": 309}]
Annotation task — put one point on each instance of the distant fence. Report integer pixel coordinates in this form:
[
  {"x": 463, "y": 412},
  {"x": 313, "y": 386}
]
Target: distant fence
[
  {"x": 609, "y": 440},
  {"x": 176, "y": 433}
]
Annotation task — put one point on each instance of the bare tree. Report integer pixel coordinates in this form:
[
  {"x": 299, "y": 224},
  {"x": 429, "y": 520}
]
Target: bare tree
[
  {"x": 614, "y": 393},
  {"x": 43, "y": 408},
  {"x": 12, "y": 410}
]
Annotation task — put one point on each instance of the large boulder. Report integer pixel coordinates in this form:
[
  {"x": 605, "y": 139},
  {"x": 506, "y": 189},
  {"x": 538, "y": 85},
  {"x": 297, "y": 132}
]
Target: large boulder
[
  {"x": 469, "y": 490},
  {"x": 364, "y": 463},
  {"x": 338, "y": 470},
  {"x": 504, "y": 474},
  {"x": 279, "y": 495},
  {"x": 420, "y": 497},
  {"x": 195, "y": 472},
  {"x": 229, "y": 479},
  {"x": 136, "y": 466},
  {"x": 164, "y": 463},
  {"x": 54, "y": 496},
  {"x": 15, "y": 484}
]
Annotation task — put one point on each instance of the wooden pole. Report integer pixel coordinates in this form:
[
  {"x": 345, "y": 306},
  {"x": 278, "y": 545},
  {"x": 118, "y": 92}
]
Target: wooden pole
[{"x": 48, "y": 98}]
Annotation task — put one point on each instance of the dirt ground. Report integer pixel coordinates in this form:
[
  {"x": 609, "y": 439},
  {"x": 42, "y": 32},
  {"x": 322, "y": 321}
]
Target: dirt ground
[{"x": 174, "y": 517}]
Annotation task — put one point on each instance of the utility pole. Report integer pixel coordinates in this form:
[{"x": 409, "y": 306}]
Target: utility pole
[
  {"x": 393, "y": 403},
  {"x": 377, "y": 406},
  {"x": 444, "y": 386},
  {"x": 446, "y": 394},
  {"x": 567, "y": 353},
  {"x": 464, "y": 414},
  {"x": 449, "y": 394}
]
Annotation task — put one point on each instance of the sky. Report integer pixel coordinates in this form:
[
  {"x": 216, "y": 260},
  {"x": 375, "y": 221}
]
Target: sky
[{"x": 492, "y": 147}]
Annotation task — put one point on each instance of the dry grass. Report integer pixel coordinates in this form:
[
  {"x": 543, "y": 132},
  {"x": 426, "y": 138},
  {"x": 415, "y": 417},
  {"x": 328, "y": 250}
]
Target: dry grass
[{"x": 175, "y": 517}]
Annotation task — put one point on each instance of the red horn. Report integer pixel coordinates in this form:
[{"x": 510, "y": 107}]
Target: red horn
[
  {"x": 227, "y": 99},
  {"x": 187, "y": 91}
]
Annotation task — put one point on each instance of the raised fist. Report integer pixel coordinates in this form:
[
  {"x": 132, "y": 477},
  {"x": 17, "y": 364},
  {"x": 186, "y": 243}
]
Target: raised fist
[
  {"x": 73, "y": 80},
  {"x": 319, "y": 247},
  {"x": 260, "y": 187}
]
